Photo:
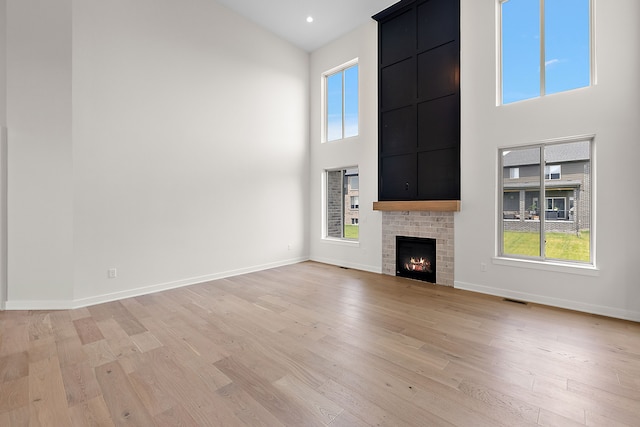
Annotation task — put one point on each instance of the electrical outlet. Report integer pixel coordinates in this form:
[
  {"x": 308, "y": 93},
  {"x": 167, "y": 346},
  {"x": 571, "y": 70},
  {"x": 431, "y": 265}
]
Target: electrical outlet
[
  {"x": 483, "y": 267},
  {"x": 289, "y": 247},
  {"x": 112, "y": 273}
]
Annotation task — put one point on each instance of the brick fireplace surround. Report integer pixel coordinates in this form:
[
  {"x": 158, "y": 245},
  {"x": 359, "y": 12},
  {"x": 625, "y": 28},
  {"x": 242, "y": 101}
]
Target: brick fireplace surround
[{"x": 426, "y": 224}]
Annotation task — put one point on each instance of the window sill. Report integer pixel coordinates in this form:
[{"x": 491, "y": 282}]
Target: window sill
[
  {"x": 343, "y": 242},
  {"x": 557, "y": 266}
]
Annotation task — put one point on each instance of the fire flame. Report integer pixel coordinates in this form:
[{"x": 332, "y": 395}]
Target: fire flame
[{"x": 418, "y": 265}]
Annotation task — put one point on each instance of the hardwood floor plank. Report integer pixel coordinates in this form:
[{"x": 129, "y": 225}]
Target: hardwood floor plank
[
  {"x": 14, "y": 394},
  {"x": 119, "y": 341},
  {"x": 145, "y": 341},
  {"x": 355, "y": 405},
  {"x": 247, "y": 409},
  {"x": 15, "y": 418},
  {"x": 543, "y": 395},
  {"x": 346, "y": 419},
  {"x": 198, "y": 397},
  {"x": 616, "y": 406},
  {"x": 14, "y": 366},
  {"x": 123, "y": 403},
  {"x": 70, "y": 351},
  {"x": 325, "y": 410},
  {"x": 80, "y": 383},
  {"x": 98, "y": 353},
  {"x": 174, "y": 416},
  {"x": 94, "y": 412},
  {"x": 550, "y": 419},
  {"x": 449, "y": 408},
  {"x": 47, "y": 401},
  {"x": 15, "y": 332},
  {"x": 503, "y": 403},
  {"x": 87, "y": 330},
  {"x": 147, "y": 386},
  {"x": 263, "y": 392},
  {"x": 40, "y": 325},
  {"x": 312, "y": 344}
]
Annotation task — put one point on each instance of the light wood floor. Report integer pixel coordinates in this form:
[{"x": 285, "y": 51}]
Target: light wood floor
[{"x": 312, "y": 344}]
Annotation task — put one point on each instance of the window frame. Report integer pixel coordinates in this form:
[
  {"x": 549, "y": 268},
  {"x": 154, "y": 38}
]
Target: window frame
[
  {"x": 541, "y": 261},
  {"x": 344, "y": 179},
  {"x": 325, "y": 104},
  {"x": 548, "y": 176},
  {"x": 499, "y": 74},
  {"x": 354, "y": 206}
]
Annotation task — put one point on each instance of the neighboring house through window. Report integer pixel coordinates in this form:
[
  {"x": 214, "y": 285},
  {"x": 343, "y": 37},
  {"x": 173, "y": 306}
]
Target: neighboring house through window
[
  {"x": 342, "y": 200},
  {"x": 561, "y": 228}
]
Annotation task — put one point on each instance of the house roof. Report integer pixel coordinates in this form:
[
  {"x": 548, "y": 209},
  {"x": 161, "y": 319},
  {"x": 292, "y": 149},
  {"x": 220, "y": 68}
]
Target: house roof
[
  {"x": 554, "y": 153},
  {"x": 554, "y": 184}
]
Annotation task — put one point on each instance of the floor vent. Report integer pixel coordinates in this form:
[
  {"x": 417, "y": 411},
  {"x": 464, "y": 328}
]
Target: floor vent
[{"x": 515, "y": 301}]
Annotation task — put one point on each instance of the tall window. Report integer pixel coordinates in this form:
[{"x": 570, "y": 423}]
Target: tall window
[
  {"x": 341, "y": 102},
  {"x": 560, "y": 228},
  {"x": 342, "y": 203},
  {"x": 545, "y": 47}
]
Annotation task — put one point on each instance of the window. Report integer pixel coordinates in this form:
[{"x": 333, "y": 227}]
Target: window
[
  {"x": 560, "y": 230},
  {"x": 353, "y": 181},
  {"x": 341, "y": 102},
  {"x": 355, "y": 204},
  {"x": 552, "y": 172},
  {"x": 514, "y": 173},
  {"x": 545, "y": 47},
  {"x": 342, "y": 203},
  {"x": 556, "y": 208}
]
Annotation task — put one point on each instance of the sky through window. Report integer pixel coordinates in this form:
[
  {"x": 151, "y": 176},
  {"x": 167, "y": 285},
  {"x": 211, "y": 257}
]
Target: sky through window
[{"x": 566, "y": 58}]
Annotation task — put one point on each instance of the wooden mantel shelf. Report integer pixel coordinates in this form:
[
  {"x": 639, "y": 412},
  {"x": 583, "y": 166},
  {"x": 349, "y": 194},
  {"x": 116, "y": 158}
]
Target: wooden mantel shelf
[{"x": 419, "y": 205}]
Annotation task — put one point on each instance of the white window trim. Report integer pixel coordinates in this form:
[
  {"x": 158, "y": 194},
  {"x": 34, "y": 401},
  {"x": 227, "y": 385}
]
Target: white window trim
[
  {"x": 324, "y": 119},
  {"x": 324, "y": 203},
  {"x": 584, "y": 268},
  {"x": 592, "y": 52}
]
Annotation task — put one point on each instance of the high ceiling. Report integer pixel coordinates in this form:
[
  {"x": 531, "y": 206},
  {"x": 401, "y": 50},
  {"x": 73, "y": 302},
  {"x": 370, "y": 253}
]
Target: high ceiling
[{"x": 288, "y": 18}]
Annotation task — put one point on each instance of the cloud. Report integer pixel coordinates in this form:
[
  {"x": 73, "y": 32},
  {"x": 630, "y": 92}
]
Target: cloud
[{"x": 551, "y": 62}]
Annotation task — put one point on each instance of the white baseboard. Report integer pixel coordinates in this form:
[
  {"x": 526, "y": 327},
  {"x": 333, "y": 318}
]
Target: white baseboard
[
  {"x": 342, "y": 263},
  {"x": 550, "y": 301},
  {"x": 99, "y": 299}
]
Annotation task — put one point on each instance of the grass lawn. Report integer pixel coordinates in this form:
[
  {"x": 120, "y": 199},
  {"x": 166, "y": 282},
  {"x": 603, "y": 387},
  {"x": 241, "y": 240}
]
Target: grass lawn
[
  {"x": 559, "y": 245},
  {"x": 351, "y": 231}
]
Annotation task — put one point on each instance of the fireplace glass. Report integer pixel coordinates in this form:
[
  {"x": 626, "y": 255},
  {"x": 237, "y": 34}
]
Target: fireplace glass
[{"x": 416, "y": 258}]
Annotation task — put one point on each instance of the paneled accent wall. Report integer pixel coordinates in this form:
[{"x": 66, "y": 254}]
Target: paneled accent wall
[{"x": 434, "y": 225}]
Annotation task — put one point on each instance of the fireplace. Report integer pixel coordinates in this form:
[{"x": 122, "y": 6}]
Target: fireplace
[
  {"x": 425, "y": 224},
  {"x": 416, "y": 258}
]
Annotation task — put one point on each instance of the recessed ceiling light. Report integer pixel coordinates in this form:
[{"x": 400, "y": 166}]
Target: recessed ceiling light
[{"x": 309, "y": 19}]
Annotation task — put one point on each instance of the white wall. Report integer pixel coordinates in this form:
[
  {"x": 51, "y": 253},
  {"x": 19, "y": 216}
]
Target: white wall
[
  {"x": 40, "y": 183},
  {"x": 185, "y": 156},
  {"x": 610, "y": 110},
  {"x": 3, "y": 153},
  {"x": 361, "y": 151}
]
